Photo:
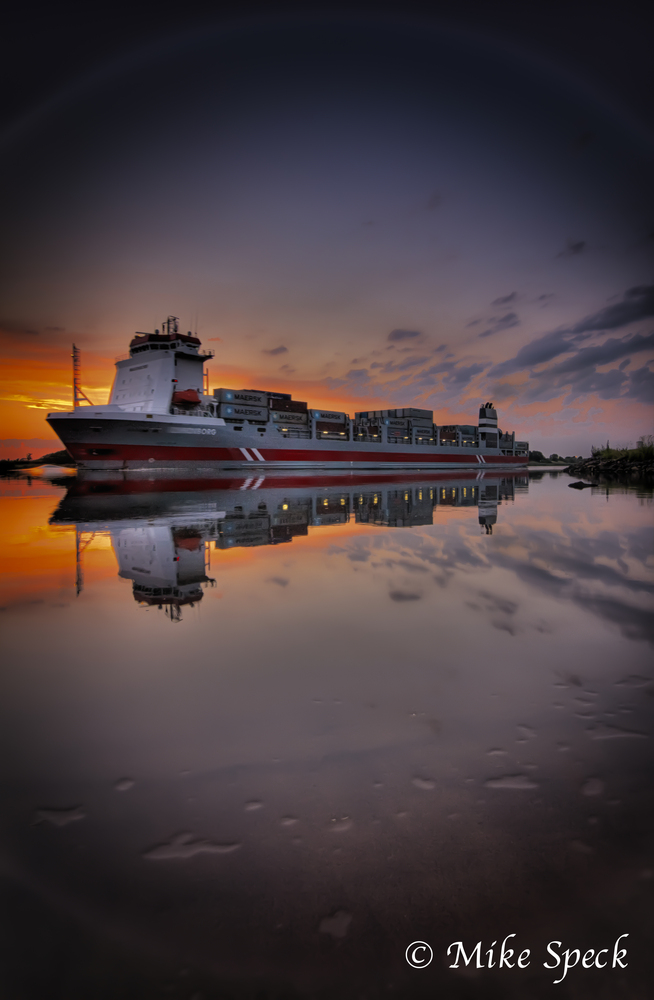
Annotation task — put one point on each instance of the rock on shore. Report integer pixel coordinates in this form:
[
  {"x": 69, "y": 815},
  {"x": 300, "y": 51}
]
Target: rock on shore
[{"x": 612, "y": 468}]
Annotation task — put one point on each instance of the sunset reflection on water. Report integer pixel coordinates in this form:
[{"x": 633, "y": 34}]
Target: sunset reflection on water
[{"x": 272, "y": 740}]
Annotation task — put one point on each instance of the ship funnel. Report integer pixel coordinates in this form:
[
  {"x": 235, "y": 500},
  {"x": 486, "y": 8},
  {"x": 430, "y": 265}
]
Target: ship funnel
[{"x": 488, "y": 416}]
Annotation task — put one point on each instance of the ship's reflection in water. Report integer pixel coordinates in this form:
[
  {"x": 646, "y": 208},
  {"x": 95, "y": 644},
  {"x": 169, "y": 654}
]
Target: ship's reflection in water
[
  {"x": 167, "y": 553},
  {"x": 388, "y": 709}
]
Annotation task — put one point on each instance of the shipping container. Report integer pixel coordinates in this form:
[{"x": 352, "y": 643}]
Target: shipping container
[
  {"x": 331, "y": 415},
  {"x": 331, "y": 427},
  {"x": 367, "y": 430},
  {"x": 280, "y": 417},
  {"x": 411, "y": 411},
  {"x": 287, "y": 405},
  {"x": 248, "y": 397},
  {"x": 232, "y": 411},
  {"x": 403, "y": 413}
]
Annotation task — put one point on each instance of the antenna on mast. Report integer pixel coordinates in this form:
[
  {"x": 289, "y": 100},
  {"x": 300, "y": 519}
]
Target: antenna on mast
[
  {"x": 78, "y": 393},
  {"x": 171, "y": 326}
]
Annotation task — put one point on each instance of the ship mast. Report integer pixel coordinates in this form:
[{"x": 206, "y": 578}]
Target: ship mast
[{"x": 78, "y": 393}]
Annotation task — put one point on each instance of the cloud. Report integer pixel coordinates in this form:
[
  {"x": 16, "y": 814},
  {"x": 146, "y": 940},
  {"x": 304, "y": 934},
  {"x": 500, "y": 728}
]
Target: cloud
[
  {"x": 501, "y": 323},
  {"x": 637, "y": 303},
  {"x": 567, "y": 364},
  {"x": 505, "y": 299},
  {"x": 395, "y": 335},
  {"x": 604, "y": 354},
  {"x": 641, "y": 385},
  {"x": 275, "y": 350},
  {"x": 461, "y": 375},
  {"x": 578, "y": 373},
  {"x": 400, "y": 366},
  {"x": 503, "y": 391},
  {"x": 572, "y": 248},
  {"x": 544, "y": 348},
  {"x": 11, "y": 328},
  {"x": 455, "y": 377}
]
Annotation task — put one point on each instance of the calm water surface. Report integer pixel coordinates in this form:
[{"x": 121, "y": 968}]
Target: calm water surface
[{"x": 258, "y": 736}]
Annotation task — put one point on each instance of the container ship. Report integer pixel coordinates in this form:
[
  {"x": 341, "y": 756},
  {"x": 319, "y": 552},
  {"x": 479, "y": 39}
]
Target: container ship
[{"x": 160, "y": 414}]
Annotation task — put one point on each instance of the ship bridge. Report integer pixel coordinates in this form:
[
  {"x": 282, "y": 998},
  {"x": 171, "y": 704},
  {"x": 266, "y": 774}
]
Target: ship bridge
[{"x": 164, "y": 369}]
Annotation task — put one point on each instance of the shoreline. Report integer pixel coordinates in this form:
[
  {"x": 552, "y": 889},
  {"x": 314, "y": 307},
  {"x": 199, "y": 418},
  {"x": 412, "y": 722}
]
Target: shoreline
[{"x": 616, "y": 468}]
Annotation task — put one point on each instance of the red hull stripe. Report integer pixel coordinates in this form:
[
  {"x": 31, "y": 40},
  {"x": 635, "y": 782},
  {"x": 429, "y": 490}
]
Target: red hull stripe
[{"x": 135, "y": 452}]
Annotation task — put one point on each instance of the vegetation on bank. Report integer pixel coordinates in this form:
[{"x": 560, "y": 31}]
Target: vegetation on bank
[
  {"x": 52, "y": 458},
  {"x": 618, "y": 463},
  {"x": 643, "y": 452},
  {"x": 537, "y": 458}
]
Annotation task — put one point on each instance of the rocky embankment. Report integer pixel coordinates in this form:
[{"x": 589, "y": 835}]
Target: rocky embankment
[{"x": 626, "y": 467}]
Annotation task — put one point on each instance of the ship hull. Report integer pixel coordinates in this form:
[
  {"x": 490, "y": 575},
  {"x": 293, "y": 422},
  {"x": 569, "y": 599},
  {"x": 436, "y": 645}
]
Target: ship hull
[{"x": 111, "y": 441}]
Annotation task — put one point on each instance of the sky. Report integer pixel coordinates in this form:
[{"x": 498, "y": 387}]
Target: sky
[{"x": 365, "y": 211}]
